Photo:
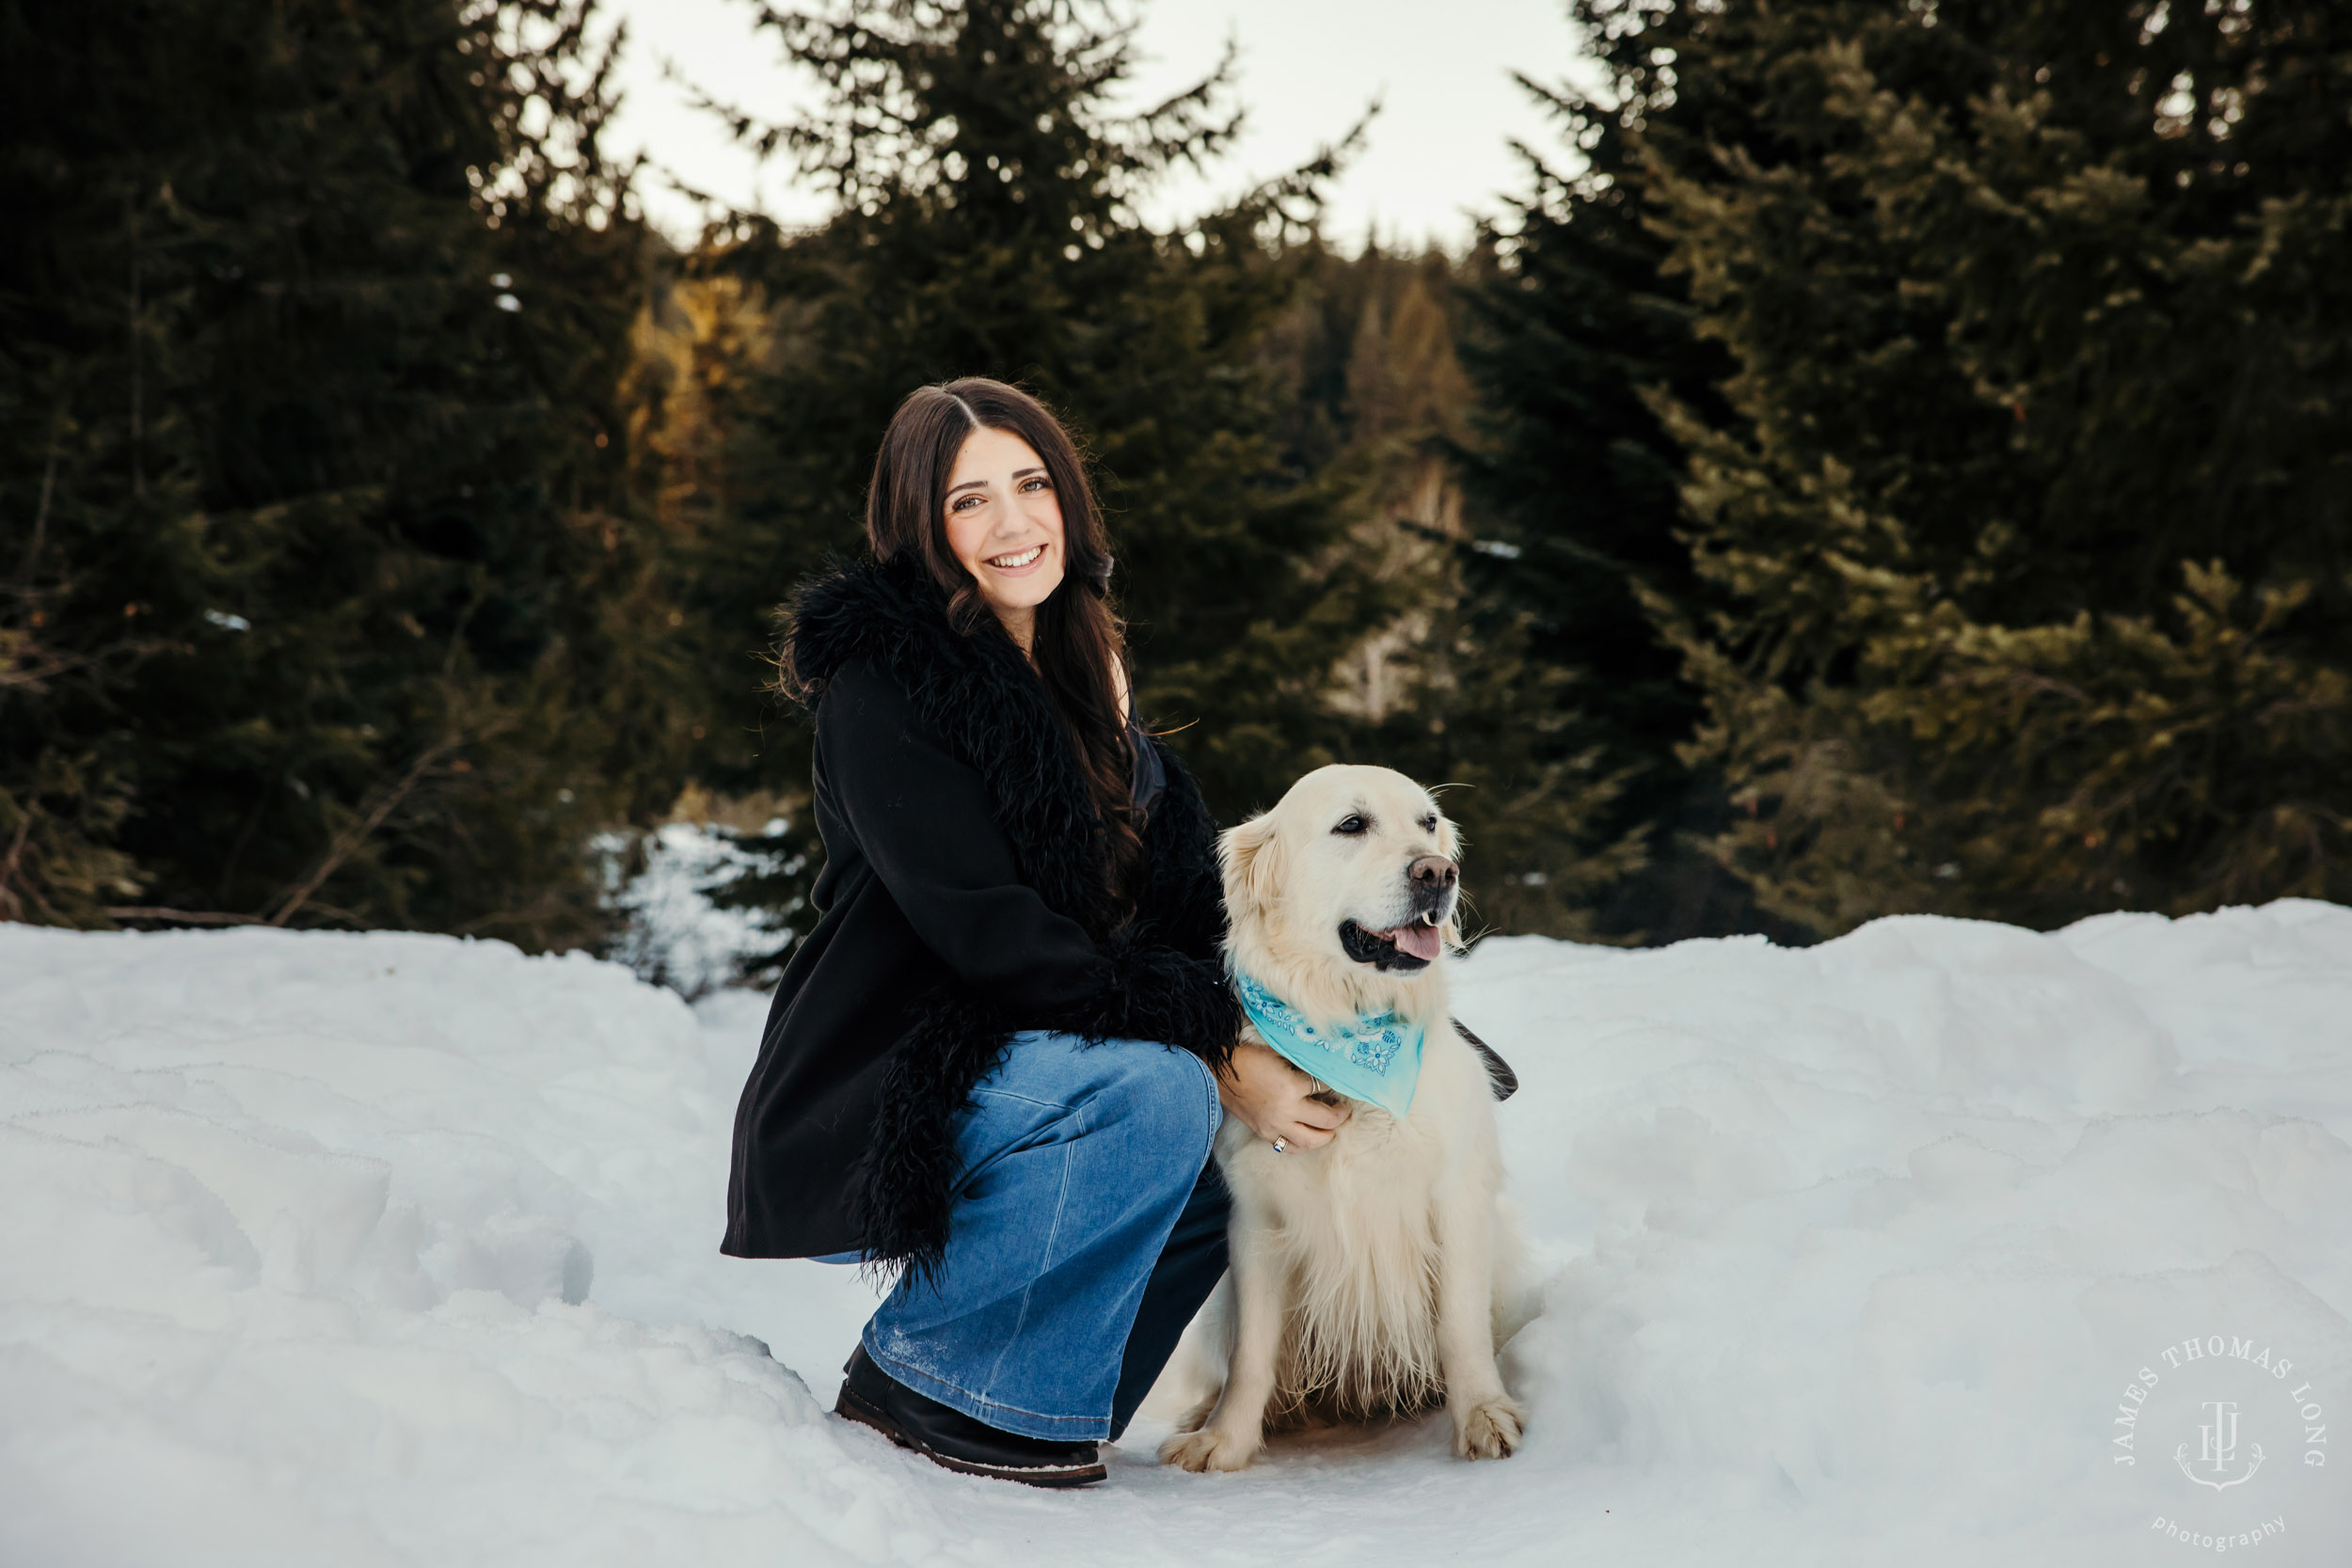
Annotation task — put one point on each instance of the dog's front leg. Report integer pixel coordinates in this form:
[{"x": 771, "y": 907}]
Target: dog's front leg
[
  {"x": 1486, "y": 1422},
  {"x": 1236, "y": 1431}
]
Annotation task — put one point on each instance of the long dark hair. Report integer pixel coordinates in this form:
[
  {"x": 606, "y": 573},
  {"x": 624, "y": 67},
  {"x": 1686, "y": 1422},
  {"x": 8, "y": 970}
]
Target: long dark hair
[{"x": 1078, "y": 641}]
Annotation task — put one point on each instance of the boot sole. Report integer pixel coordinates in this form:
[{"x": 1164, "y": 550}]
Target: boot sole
[{"x": 850, "y": 1407}]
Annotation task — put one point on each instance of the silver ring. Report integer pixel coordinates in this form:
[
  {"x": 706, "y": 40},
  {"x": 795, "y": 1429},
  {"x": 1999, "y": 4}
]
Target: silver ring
[{"x": 1281, "y": 1148}]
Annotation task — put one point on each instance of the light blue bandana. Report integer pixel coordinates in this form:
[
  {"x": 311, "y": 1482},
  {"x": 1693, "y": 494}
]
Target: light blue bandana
[{"x": 1376, "y": 1059}]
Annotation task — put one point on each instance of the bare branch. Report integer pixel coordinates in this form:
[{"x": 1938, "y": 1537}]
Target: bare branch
[
  {"x": 180, "y": 917},
  {"x": 40, "y": 519},
  {"x": 362, "y": 828},
  {"x": 10, "y": 905}
]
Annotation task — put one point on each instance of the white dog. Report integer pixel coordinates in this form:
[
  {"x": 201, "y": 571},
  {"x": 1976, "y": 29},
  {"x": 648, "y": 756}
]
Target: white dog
[{"x": 1367, "y": 1275}]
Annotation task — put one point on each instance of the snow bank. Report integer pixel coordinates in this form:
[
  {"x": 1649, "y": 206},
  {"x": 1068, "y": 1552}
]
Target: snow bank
[
  {"x": 400, "y": 1249},
  {"x": 1879, "y": 1233},
  {"x": 382, "y": 1248}
]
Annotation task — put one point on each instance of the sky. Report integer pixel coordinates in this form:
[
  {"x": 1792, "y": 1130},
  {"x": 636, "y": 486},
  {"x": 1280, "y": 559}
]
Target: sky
[{"x": 1436, "y": 155}]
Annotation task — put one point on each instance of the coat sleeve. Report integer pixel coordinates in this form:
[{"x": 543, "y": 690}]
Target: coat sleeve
[
  {"x": 923, "y": 818},
  {"x": 923, "y": 821}
]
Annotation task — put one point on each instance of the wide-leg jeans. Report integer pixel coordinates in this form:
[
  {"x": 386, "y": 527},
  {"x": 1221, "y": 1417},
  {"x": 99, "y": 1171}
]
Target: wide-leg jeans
[{"x": 1088, "y": 1226}]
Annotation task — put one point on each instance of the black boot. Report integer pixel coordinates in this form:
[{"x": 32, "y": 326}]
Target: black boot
[{"x": 948, "y": 1437}]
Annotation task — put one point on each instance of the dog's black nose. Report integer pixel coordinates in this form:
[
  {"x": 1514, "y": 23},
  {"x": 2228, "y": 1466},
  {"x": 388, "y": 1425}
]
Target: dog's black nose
[{"x": 1434, "y": 873}]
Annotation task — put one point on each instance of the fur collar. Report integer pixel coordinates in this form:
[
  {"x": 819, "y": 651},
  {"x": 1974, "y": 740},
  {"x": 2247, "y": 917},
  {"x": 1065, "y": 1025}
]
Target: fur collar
[
  {"x": 979, "y": 693},
  {"x": 1162, "y": 980}
]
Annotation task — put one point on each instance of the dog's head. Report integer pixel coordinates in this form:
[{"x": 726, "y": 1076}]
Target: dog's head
[{"x": 1344, "y": 896}]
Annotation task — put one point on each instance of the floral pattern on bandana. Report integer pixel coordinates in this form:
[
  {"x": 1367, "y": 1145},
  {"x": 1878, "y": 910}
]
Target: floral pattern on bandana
[{"x": 1375, "y": 1059}]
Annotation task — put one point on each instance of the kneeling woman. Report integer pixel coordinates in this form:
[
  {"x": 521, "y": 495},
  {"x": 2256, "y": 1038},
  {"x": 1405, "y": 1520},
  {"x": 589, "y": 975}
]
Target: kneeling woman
[{"x": 999, "y": 1058}]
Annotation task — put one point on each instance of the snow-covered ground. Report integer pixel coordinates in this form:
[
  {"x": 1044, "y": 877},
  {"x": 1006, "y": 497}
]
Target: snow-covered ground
[{"x": 400, "y": 1249}]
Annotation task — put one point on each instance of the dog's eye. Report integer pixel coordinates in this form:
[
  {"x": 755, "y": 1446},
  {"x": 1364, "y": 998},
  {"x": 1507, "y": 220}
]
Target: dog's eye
[
  {"x": 1429, "y": 823},
  {"x": 1351, "y": 825}
]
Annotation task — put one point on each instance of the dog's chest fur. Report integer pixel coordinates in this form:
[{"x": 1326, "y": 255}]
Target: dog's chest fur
[{"x": 1354, "y": 1227}]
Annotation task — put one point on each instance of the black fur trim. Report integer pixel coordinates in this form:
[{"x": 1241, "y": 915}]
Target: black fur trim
[
  {"x": 1163, "y": 978},
  {"x": 904, "y": 1186},
  {"x": 975, "y": 690},
  {"x": 1157, "y": 993}
]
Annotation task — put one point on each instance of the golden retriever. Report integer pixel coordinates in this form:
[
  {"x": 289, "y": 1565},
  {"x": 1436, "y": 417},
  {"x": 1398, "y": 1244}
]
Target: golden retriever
[{"x": 1369, "y": 1275}]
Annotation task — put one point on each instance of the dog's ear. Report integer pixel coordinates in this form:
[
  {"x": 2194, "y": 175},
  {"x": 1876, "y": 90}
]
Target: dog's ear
[{"x": 1252, "y": 856}]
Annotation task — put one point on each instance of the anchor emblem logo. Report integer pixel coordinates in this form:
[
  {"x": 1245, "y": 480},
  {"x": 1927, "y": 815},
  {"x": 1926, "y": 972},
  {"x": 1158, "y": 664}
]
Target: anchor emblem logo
[{"x": 2220, "y": 1450}]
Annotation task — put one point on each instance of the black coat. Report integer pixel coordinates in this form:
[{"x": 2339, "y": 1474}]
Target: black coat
[{"x": 963, "y": 899}]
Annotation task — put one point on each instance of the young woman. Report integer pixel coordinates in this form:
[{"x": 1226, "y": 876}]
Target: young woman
[{"x": 999, "y": 1058}]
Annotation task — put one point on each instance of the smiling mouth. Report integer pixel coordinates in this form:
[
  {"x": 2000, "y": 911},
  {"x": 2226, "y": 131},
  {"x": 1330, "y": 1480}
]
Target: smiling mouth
[
  {"x": 1014, "y": 561},
  {"x": 1407, "y": 947}
]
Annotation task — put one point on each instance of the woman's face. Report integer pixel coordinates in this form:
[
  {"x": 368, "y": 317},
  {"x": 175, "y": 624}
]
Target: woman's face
[{"x": 1004, "y": 524}]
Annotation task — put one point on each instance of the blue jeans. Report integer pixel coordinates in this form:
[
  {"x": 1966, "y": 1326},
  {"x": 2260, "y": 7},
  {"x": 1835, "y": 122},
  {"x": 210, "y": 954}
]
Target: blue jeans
[{"x": 1088, "y": 1226}]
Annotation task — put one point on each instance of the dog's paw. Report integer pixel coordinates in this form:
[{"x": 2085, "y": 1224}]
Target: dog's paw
[
  {"x": 1490, "y": 1429},
  {"x": 1198, "y": 1416},
  {"x": 1210, "y": 1450}
]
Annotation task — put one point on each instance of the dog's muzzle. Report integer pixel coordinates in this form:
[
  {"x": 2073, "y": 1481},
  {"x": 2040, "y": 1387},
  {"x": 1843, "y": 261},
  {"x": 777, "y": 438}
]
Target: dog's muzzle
[
  {"x": 1432, "y": 883},
  {"x": 1433, "y": 880}
]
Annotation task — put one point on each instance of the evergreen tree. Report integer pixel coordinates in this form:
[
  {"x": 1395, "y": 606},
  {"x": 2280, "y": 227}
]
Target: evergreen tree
[
  {"x": 1571, "y": 328},
  {"x": 1375, "y": 396},
  {"x": 324, "y": 601},
  {"x": 2036, "y": 528},
  {"x": 986, "y": 224}
]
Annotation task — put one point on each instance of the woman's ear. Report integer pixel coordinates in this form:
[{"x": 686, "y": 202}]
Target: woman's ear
[{"x": 1252, "y": 856}]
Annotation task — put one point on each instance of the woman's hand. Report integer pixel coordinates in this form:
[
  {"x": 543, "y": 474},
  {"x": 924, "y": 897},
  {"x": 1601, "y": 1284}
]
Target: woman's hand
[{"x": 1271, "y": 1097}]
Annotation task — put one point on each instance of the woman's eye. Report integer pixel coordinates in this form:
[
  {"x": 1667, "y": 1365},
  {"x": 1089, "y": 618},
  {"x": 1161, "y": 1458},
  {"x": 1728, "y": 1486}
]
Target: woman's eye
[
  {"x": 1350, "y": 825},
  {"x": 963, "y": 503},
  {"x": 1034, "y": 482}
]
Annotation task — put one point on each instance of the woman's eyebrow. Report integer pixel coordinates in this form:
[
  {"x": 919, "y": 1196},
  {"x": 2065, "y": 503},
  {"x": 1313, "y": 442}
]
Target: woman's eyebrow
[{"x": 1018, "y": 474}]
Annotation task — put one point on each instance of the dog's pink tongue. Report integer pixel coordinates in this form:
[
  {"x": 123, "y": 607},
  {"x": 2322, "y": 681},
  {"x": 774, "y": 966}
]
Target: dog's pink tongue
[{"x": 1417, "y": 939}]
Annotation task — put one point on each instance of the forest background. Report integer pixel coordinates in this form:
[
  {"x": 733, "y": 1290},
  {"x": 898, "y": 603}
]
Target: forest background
[{"x": 1892, "y": 456}]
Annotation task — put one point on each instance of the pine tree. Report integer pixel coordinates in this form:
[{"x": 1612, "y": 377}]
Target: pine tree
[
  {"x": 1571, "y": 328},
  {"x": 326, "y": 601},
  {"x": 1374, "y": 395},
  {"x": 986, "y": 224},
  {"x": 2036, "y": 525}
]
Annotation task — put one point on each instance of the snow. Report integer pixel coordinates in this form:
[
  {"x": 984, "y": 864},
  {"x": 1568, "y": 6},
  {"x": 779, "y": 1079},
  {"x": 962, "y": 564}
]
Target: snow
[
  {"x": 400, "y": 1249},
  {"x": 672, "y": 933}
]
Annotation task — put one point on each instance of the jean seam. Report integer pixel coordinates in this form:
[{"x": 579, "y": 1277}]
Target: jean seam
[
  {"x": 1216, "y": 1109},
  {"x": 1065, "y": 1107},
  {"x": 908, "y": 1375},
  {"x": 1025, "y": 1100},
  {"x": 975, "y": 1397},
  {"x": 1045, "y": 1257}
]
